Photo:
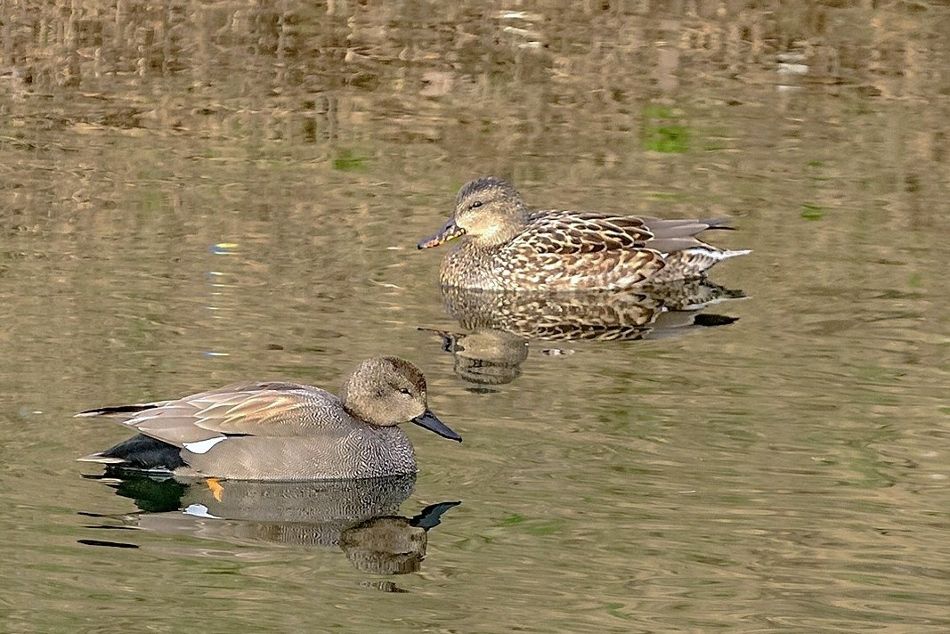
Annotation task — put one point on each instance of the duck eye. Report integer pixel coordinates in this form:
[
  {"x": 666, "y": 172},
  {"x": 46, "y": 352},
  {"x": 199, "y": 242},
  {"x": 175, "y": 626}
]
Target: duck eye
[
  {"x": 405, "y": 390},
  {"x": 475, "y": 205}
]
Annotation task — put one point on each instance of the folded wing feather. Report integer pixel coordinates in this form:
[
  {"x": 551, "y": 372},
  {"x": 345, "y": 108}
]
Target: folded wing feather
[{"x": 255, "y": 409}]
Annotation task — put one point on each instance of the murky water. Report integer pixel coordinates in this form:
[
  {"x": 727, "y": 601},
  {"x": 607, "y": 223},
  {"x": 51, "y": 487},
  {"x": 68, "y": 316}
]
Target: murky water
[{"x": 195, "y": 194}]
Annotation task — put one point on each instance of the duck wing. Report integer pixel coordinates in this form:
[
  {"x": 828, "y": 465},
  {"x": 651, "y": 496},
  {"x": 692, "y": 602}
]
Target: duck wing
[
  {"x": 563, "y": 249},
  {"x": 677, "y": 235},
  {"x": 578, "y": 232},
  {"x": 201, "y": 420}
]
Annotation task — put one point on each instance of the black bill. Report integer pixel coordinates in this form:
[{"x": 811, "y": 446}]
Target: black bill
[{"x": 430, "y": 422}]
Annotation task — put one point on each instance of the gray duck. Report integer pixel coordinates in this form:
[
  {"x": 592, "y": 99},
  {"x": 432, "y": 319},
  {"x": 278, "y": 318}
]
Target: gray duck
[{"x": 281, "y": 431}]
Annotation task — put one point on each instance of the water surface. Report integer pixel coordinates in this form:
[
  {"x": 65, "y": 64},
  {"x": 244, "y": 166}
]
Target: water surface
[{"x": 193, "y": 195}]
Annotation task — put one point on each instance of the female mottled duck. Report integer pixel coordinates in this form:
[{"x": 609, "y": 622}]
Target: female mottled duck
[{"x": 511, "y": 247}]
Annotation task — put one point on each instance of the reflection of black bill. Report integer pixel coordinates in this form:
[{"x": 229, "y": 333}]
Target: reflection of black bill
[
  {"x": 449, "y": 231},
  {"x": 432, "y": 423},
  {"x": 431, "y": 516}
]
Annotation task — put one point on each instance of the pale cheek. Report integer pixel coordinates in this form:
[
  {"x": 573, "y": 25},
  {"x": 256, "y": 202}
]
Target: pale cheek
[
  {"x": 482, "y": 229},
  {"x": 474, "y": 223},
  {"x": 490, "y": 231}
]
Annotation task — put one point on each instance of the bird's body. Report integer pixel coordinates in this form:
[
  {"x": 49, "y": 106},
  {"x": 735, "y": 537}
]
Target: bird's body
[
  {"x": 280, "y": 430},
  {"x": 510, "y": 247}
]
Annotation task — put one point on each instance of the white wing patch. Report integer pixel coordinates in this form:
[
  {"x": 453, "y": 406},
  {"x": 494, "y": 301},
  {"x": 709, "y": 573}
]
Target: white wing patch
[
  {"x": 203, "y": 446},
  {"x": 199, "y": 510}
]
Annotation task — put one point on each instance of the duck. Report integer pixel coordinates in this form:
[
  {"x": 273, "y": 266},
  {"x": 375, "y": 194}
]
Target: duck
[
  {"x": 272, "y": 430},
  {"x": 508, "y": 246}
]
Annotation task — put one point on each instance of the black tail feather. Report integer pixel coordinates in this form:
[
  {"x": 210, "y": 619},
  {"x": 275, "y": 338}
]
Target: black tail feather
[
  {"x": 143, "y": 452},
  {"x": 118, "y": 409}
]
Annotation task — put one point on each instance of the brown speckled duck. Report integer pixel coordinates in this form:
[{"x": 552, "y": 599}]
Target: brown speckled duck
[
  {"x": 281, "y": 431},
  {"x": 511, "y": 247}
]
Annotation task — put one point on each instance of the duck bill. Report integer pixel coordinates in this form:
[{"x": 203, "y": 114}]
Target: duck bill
[
  {"x": 449, "y": 231},
  {"x": 432, "y": 423}
]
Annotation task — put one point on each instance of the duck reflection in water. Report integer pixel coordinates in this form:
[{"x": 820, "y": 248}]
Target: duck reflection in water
[
  {"x": 501, "y": 325},
  {"x": 361, "y": 517}
]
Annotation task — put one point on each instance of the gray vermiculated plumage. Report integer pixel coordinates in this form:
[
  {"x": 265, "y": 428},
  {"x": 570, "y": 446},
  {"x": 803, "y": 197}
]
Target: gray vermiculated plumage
[
  {"x": 284, "y": 431},
  {"x": 326, "y": 443},
  {"x": 297, "y": 513}
]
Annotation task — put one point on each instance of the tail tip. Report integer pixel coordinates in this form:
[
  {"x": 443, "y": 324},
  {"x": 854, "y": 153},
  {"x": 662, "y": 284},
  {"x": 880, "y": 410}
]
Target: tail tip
[{"x": 100, "y": 458}]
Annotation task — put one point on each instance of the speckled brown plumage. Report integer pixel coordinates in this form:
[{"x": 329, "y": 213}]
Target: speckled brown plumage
[
  {"x": 585, "y": 315},
  {"x": 501, "y": 326},
  {"x": 509, "y": 247}
]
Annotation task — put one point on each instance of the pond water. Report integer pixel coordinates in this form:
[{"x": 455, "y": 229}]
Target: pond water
[{"x": 199, "y": 193}]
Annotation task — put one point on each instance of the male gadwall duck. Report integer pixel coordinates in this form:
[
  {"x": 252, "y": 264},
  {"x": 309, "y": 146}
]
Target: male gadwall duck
[
  {"x": 511, "y": 247},
  {"x": 282, "y": 431}
]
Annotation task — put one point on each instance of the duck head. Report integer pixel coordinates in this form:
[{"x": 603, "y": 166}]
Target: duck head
[
  {"x": 387, "y": 391},
  {"x": 489, "y": 210}
]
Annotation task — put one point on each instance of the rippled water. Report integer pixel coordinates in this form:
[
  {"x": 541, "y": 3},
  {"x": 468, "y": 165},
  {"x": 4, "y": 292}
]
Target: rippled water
[{"x": 196, "y": 194}]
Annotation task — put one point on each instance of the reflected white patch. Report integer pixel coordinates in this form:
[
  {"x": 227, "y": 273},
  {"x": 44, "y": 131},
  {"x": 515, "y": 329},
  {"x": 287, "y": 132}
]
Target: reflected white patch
[
  {"x": 717, "y": 255},
  {"x": 199, "y": 510},
  {"x": 203, "y": 446},
  {"x": 725, "y": 255}
]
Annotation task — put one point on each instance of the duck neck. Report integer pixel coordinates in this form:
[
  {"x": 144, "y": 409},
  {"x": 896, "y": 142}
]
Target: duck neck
[
  {"x": 503, "y": 231},
  {"x": 350, "y": 404}
]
